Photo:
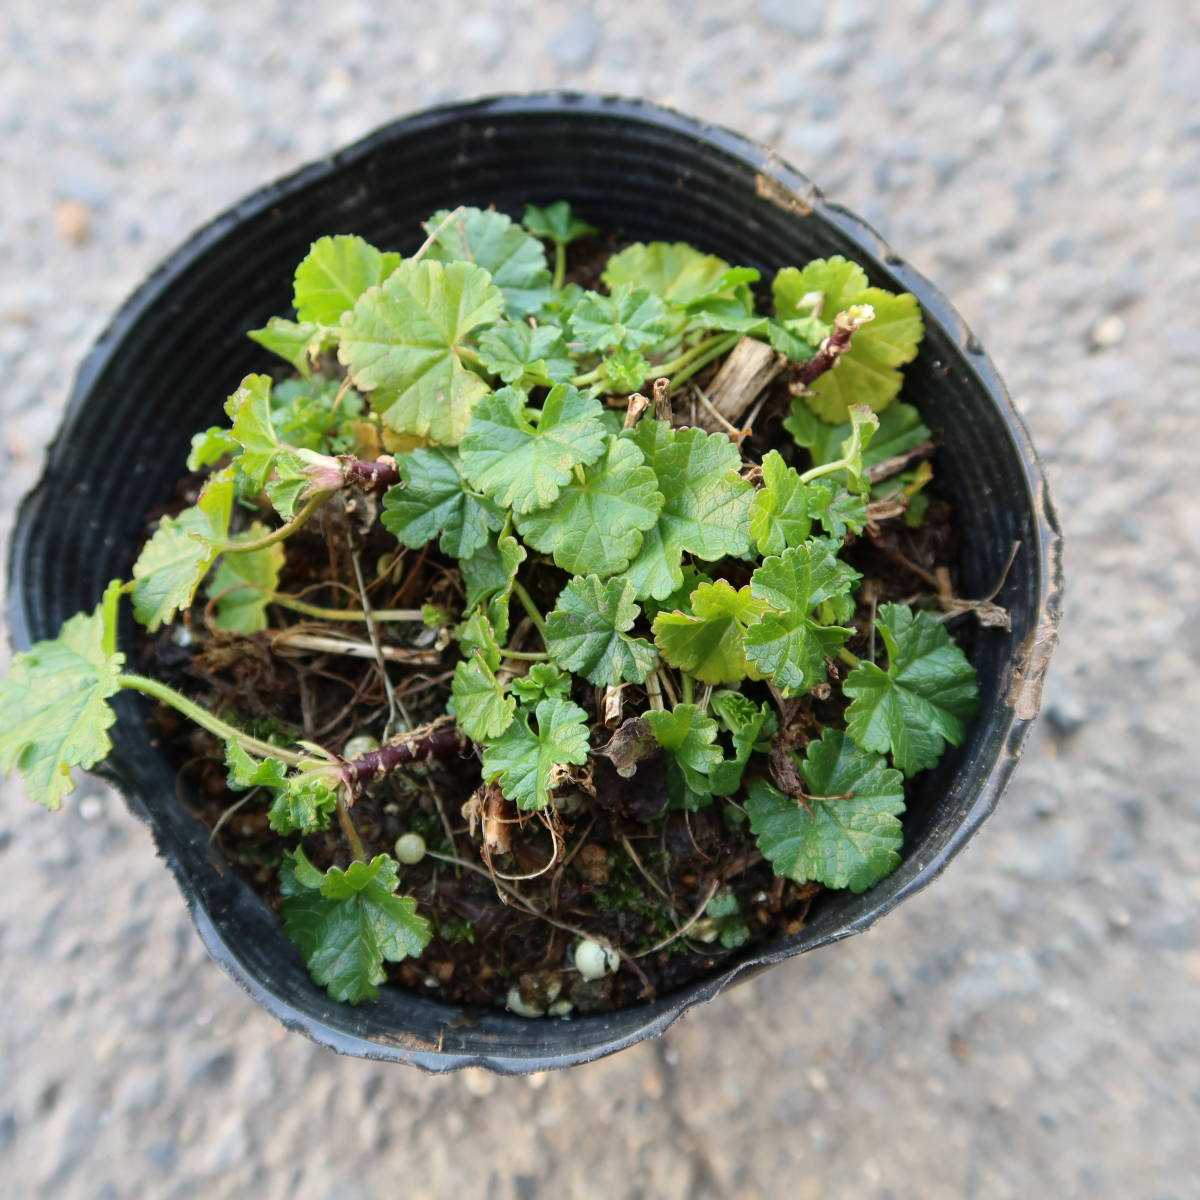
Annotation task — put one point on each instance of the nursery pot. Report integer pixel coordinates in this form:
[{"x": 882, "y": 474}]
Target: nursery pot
[{"x": 175, "y": 350}]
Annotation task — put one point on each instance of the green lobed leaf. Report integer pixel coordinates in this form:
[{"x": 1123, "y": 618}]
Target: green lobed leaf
[
  {"x": 334, "y": 273},
  {"x": 177, "y": 557},
  {"x": 348, "y": 923},
  {"x": 625, "y": 371},
  {"x": 628, "y": 319},
  {"x": 588, "y": 632},
  {"x": 313, "y": 414},
  {"x": 674, "y": 271},
  {"x": 900, "y": 429},
  {"x": 476, "y": 634},
  {"x": 868, "y": 373},
  {"x": 595, "y": 526},
  {"x": 491, "y": 240},
  {"x": 249, "y": 409},
  {"x": 706, "y": 504},
  {"x": 556, "y": 223},
  {"x": 210, "y": 447},
  {"x": 404, "y": 343},
  {"x": 526, "y": 356},
  {"x": 689, "y": 738},
  {"x": 523, "y": 760},
  {"x": 789, "y": 644},
  {"x": 750, "y": 726},
  {"x": 847, "y": 835},
  {"x": 782, "y": 512},
  {"x": 837, "y": 509},
  {"x": 544, "y": 682},
  {"x": 710, "y": 642},
  {"x": 245, "y": 583},
  {"x": 488, "y": 577},
  {"x": 299, "y": 343},
  {"x": 303, "y": 801},
  {"x": 680, "y": 600},
  {"x": 54, "y": 710},
  {"x": 433, "y": 498},
  {"x": 483, "y": 708},
  {"x": 923, "y": 699},
  {"x": 522, "y": 465}
]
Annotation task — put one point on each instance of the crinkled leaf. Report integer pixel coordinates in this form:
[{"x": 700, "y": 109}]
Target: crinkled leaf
[
  {"x": 848, "y": 835},
  {"x": 556, "y": 223},
  {"x": 433, "y": 498},
  {"x": 488, "y": 577},
  {"x": 628, "y": 319},
  {"x": 290, "y": 483},
  {"x": 54, "y": 710},
  {"x": 543, "y": 682},
  {"x": 482, "y": 706},
  {"x": 348, "y": 923},
  {"x": 900, "y": 429},
  {"x": 751, "y": 726},
  {"x": 725, "y": 910},
  {"x": 674, "y": 271},
  {"x": 706, "y": 504},
  {"x": 174, "y": 561},
  {"x": 782, "y": 512},
  {"x": 522, "y": 465},
  {"x": 523, "y": 760},
  {"x": 248, "y": 581},
  {"x": 689, "y": 738},
  {"x": 524, "y": 355},
  {"x": 315, "y": 414},
  {"x": 477, "y": 635},
  {"x": 404, "y": 340},
  {"x": 710, "y": 643},
  {"x": 923, "y": 699},
  {"x": 249, "y": 408},
  {"x": 625, "y": 371},
  {"x": 297, "y": 342},
  {"x": 210, "y": 447},
  {"x": 587, "y": 632},
  {"x": 302, "y": 802},
  {"x": 491, "y": 240},
  {"x": 868, "y": 373},
  {"x": 789, "y": 644},
  {"x": 837, "y": 509},
  {"x": 595, "y": 526},
  {"x": 333, "y": 274}
]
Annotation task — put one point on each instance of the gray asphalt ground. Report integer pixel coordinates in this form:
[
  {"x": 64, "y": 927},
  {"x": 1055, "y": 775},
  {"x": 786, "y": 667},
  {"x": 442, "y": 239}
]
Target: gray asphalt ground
[{"x": 1025, "y": 1028}]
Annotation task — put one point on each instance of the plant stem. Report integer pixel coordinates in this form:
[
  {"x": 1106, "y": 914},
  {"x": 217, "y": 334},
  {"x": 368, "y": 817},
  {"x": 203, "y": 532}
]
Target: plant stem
[
  {"x": 560, "y": 265},
  {"x": 687, "y": 689},
  {"x": 682, "y": 360},
  {"x": 207, "y": 720},
  {"x": 338, "y": 614},
  {"x": 283, "y": 532},
  {"x": 530, "y": 655},
  {"x": 716, "y": 347},
  {"x": 849, "y": 657},
  {"x": 528, "y": 605},
  {"x": 587, "y": 378},
  {"x": 349, "y": 832}
]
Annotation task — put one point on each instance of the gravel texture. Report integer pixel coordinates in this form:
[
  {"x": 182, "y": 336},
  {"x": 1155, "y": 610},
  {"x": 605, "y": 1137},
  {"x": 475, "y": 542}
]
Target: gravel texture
[{"x": 1027, "y": 1027}]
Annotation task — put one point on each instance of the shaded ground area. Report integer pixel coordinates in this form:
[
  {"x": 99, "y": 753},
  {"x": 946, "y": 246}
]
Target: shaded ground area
[{"x": 1027, "y": 1026}]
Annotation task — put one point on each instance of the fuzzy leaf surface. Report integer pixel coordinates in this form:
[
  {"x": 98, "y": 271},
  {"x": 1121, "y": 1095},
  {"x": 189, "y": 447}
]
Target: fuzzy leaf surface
[
  {"x": 849, "y": 836},
  {"x": 175, "y": 560},
  {"x": 404, "y": 340},
  {"x": 522, "y": 465},
  {"x": 706, "y": 504},
  {"x": 54, "y": 710},
  {"x": 348, "y": 923},
  {"x": 493, "y": 241},
  {"x": 523, "y": 760},
  {"x": 254, "y": 577},
  {"x": 924, "y": 698},
  {"x": 709, "y": 643},
  {"x": 588, "y": 632},
  {"x": 596, "y": 525},
  {"x": 432, "y": 499}
]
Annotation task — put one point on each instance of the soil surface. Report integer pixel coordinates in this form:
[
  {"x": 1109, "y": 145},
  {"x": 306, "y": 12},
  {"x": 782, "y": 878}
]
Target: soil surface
[{"x": 1026, "y": 1027}]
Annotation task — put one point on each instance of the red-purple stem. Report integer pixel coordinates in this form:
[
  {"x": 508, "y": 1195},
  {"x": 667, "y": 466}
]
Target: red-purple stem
[
  {"x": 373, "y": 476},
  {"x": 441, "y": 743},
  {"x": 833, "y": 347}
]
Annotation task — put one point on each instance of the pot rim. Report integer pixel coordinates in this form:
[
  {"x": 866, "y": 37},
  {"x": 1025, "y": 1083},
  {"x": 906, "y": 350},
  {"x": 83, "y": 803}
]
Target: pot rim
[{"x": 788, "y": 188}]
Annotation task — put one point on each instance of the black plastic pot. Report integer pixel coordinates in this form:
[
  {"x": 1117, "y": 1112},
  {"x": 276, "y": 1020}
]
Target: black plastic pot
[{"x": 178, "y": 347}]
